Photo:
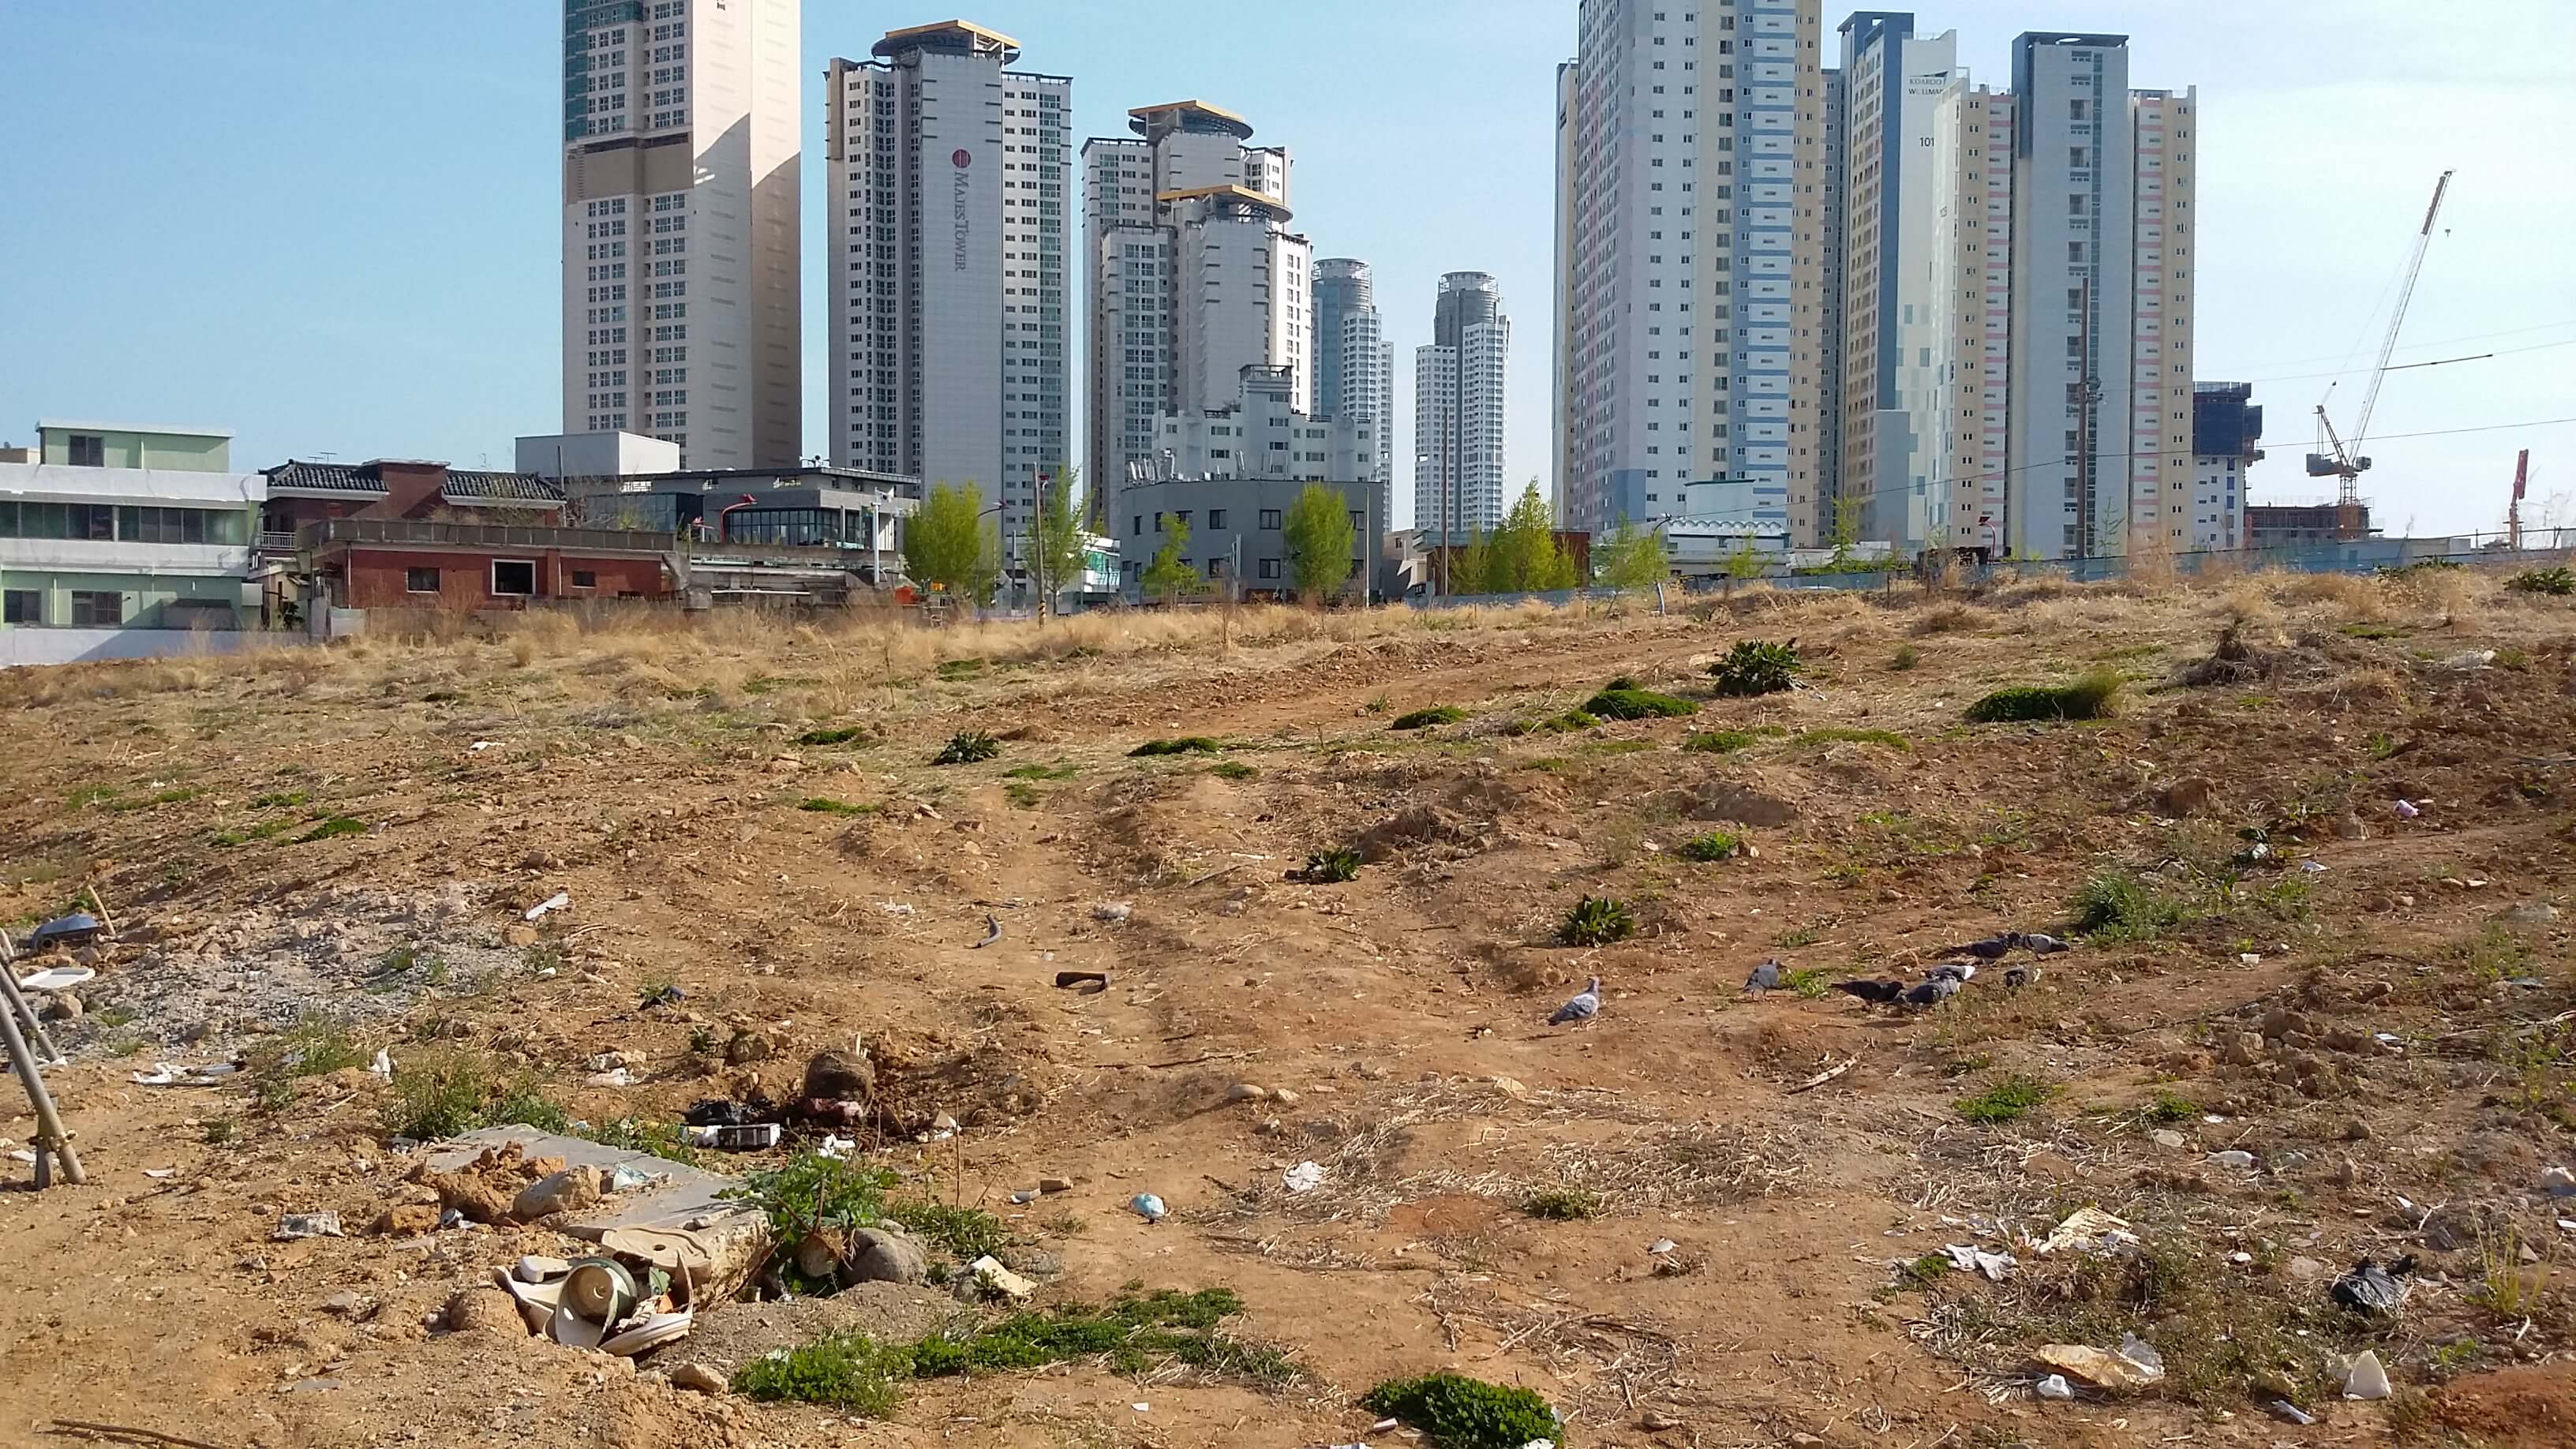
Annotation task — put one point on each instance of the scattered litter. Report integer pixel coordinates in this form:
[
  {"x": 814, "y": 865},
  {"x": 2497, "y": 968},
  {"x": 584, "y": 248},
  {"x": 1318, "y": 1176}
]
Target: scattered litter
[
  {"x": 2292, "y": 1413},
  {"x": 627, "y": 1177},
  {"x": 1142, "y": 1408},
  {"x": 1112, "y": 911},
  {"x": 1304, "y": 1177},
  {"x": 160, "y": 1172},
  {"x": 1968, "y": 1258},
  {"x": 2369, "y": 1288},
  {"x": 1149, "y": 1207},
  {"x": 838, "y": 1148},
  {"x": 555, "y": 902},
  {"x": 479, "y": 746},
  {"x": 1022, "y": 1198},
  {"x": 2232, "y": 1158},
  {"x": 167, "y": 1074},
  {"x": 382, "y": 1068},
  {"x": 2249, "y": 958},
  {"x": 56, "y": 978},
  {"x": 989, "y": 1271},
  {"x": 2312, "y": 867},
  {"x": 2055, "y": 1386},
  {"x": 536, "y": 1268},
  {"x": 2135, "y": 1366},
  {"x": 617, "y": 1077},
  {"x": 1662, "y": 1246},
  {"x": 1090, "y": 982},
  {"x": 2558, "y": 1182},
  {"x": 736, "y": 1137},
  {"x": 2089, "y": 1230},
  {"x": 2407, "y": 810},
  {"x": 77, "y": 929},
  {"x": 22, "y": 1155},
  {"x": 307, "y": 1225},
  {"x": 1383, "y": 1426},
  {"x": 2366, "y": 1379},
  {"x": 2470, "y": 659},
  {"x": 894, "y": 908}
]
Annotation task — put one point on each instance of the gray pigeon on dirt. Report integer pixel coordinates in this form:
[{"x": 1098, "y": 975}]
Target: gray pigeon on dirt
[
  {"x": 1930, "y": 993},
  {"x": 1992, "y": 948},
  {"x": 1582, "y": 1006},
  {"x": 1765, "y": 977},
  {"x": 1961, "y": 972},
  {"x": 1877, "y": 993},
  {"x": 2017, "y": 977},
  {"x": 2040, "y": 944}
]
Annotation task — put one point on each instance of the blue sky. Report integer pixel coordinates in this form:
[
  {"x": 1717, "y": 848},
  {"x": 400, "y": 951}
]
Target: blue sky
[{"x": 332, "y": 227}]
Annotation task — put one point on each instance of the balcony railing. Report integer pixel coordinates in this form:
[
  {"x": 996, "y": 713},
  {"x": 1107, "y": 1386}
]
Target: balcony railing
[{"x": 423, "y": 534}]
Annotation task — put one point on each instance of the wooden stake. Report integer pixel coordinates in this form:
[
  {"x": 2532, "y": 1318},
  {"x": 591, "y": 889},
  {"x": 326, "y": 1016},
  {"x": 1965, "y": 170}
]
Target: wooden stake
[
  {"x": 1820, "y": 1078},
  {"x": 104, "y": 918}
]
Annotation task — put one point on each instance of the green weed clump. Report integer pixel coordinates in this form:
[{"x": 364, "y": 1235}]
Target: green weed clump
[
  {"x": 336, "y": 825},
  {"x": 1561, "y": 1205},
  {"x": 846, "y": 1371},
  {"x": 839, "y": 735},
  {"x": 1756, "y": 667},
  {"x": 1423, "y": 719},
  {"x": 962, "y": 1233},
  {"x": 1810, "y": 982},
  {"x": 1457, "y": 1412},
  {"x": 1570, "y": 722},
  {"x": 441, "y": 1095},
  {"x": 1715, "y": 845},
  {"x": 2010, "y": 1100},
  {"x": 1233, "y": 770},
  {"x": 1332, "y": 867},
  {"x": 2116, "y": 906},
  {"x": 2559, "y": 582},
  {"x": 1060, "y": 770},
  {"x": 968, "y": 747},
  {"x": 813, "y": 1192},
  {"x": 825, "y": 805},
  {"x": 1840, "y": 735},
  {"x": 2089, "y": 697},
  {"x": 1720, "y": 742},
  {"x": 1632, "y": 703},
  {"x": 1188, "y": 745},
  {"x": 1596, "y": 921}
]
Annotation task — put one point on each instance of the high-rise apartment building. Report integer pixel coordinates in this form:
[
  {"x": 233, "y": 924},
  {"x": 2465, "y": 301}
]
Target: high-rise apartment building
[
  {"x": 950, "y": 257},
  {"x": 1355, "y": 368},
  {"x": 680, "y": 227},
  {"x": 1893, "y": 473},
  {"x": 1193, "y": 274},
  {"x": 2226, "y": 428},
  {"x": 1690, "y": 257},
  {"x": 2101, "y": 351},
  {"x": 1458, "y": 410},
  {"x": 1829, "y": 336},
  {"x": 1972, "y": 326}
]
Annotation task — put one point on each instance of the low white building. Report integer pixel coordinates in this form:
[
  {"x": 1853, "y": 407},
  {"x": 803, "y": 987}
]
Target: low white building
[
  {"x": 1261, "y": 434},
  {"x": 557, "y": 456},
  {"x": 122, "y": 563}
]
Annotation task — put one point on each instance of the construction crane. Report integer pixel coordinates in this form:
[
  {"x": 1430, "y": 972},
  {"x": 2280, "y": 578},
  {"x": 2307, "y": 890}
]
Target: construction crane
[
  {"x": 2513, "y": 514},
  {"x": 2343, "y": 463}
]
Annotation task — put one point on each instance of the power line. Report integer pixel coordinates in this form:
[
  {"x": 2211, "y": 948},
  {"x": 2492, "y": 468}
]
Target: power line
[
  {"x": 2419, "y": 346},
  {"x": 2401, "y": 367}
]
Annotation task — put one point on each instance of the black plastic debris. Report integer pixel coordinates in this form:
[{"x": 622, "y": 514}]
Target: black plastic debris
[
  {"x": 2369, "y": 1288},
  {"x": 723, "y": 1112},
  {"x": 80, "y": 928}
]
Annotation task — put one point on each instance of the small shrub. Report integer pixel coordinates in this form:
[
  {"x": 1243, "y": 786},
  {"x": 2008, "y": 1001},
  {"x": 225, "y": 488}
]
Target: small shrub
[
  {"x": 968, "y": 747},
  {"x": 1232, "y": 770},
  {"x": 1331, "y": 867},
  {"x": 847, "y": 1371},
  {"x": 2089, "y": 697},
  {"x": 1617, "y": 703},
  {"x": 1812, "y": 983},
  {"x": 825, "y": 805},
  {"x": 962, "y": 1233},
  {"x": 812, "y": 1192},
  {"x": 2171, "y": 1106},
  {"x": 1457, "y": 1412},
  {"x": 1843, "y": 736},
  {"x": 1907, "y": 656},
  {"x": 1060, "y": 770},
  {"x": 1377, "y": 704},
  {"x": 2010, "y": 1100},
  {"x": 222, "y": 1132},
  {"x": 2559, "y": 582},
  {"x": 1423, "y": 719},
  {"x": 1715, "y": 845},
  {"x": 960, "y": 668},
  {"x": 1596, "y": 921},
  {"x": 2116, "y": 906},
  {"x": 1570, "y": 722},
  {"x": 437, "y": 1097},
  {"x": 1190, "y": 745},
  {"x": 1721, "y": 742},
  {"x": 523, "y": 1102},
  {"x": 1755, "y": 667},
  {"x": 315, "y": 1045},
  {"x": 282, "y": 801},
  {"x": 335, "y": 825},
  {"x": 665, "y": 1140},
  {"x": 1561, "y": 1205},
  {"x": 841, "y": 735}
]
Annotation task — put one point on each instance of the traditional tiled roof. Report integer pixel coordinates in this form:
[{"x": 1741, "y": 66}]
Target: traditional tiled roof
[{"x": 462, "y": 485}]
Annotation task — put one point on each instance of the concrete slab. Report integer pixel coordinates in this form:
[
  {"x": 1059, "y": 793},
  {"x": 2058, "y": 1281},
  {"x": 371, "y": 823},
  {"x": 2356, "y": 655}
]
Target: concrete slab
[{"x": 733, "y": 1235}]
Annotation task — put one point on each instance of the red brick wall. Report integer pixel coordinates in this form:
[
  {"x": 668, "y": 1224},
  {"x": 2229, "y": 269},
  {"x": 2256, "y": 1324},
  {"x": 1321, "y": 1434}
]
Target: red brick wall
[{"x": 379, "y": 578}]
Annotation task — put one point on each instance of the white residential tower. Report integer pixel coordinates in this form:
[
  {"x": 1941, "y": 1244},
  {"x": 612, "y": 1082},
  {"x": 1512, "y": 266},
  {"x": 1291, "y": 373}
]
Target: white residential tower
[
  {"x": 680, "y": 280},
  {"x": 1458, "y": 412},
  {"x": 1355, "y": 369}
]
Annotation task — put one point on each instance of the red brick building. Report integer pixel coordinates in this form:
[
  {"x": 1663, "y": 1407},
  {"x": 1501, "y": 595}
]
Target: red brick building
[
  {"x": 400, "y": 563},
  {"x": 300, "y": 493}
]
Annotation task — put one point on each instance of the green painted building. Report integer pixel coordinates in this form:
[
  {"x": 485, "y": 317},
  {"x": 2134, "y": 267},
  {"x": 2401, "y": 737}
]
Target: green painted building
[{"x": 114, "y": 445}]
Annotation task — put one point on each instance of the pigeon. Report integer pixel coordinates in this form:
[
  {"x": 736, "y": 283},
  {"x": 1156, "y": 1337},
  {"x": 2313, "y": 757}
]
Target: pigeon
[
  {"x": 1582, "y": 1006},
  {"x": 1764, "y": 977},
  {"x": 1930, "y": 993},
  {"x": 992, "y": 933},
  {"x": 1993, "y": 948},
  {"x": 2017, "y": 977},
  {"x": 1957, "y": 972},
  {"x": 1882, "y": 993},
  {"x": 2039, "y": 944}
]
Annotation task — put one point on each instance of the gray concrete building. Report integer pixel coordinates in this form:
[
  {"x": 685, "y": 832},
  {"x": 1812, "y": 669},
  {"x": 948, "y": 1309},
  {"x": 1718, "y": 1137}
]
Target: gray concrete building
[{"x": 1237, "y": 524}]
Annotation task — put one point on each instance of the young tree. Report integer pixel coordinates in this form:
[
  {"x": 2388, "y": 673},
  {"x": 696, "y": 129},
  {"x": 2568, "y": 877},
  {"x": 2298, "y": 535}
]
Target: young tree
[
  {"x": 1471, "y": 569},
  {"x": 1055, "y": 545},
  {"x": 1320, "y": 537},
  {"x": 1170, "y": 576},
  {"x": 1524, "y": 555},
  {"x": 947, "y": 544},
  {"x": 1744, "y": 563},
  {"x": 1630, "y": 558}
]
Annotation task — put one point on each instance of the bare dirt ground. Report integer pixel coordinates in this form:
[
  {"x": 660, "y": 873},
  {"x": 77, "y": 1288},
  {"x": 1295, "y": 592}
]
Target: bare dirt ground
[{"x": 2388, "y": 1033}]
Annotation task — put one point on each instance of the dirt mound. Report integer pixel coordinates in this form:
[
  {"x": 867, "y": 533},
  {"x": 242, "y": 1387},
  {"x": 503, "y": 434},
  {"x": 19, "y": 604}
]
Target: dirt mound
[
  {"x": 1413, "y": 827},
  {"x": 2517, "y": 1408},
  {"x": 1728, "y": 801}
]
